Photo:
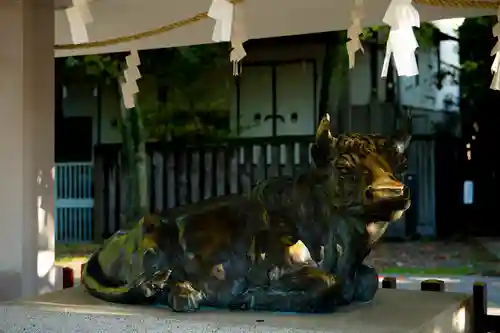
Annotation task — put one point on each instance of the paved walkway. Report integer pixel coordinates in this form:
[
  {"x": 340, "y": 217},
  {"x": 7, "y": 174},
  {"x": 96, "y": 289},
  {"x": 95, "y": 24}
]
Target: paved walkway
[{"x": 491, "y": 244}]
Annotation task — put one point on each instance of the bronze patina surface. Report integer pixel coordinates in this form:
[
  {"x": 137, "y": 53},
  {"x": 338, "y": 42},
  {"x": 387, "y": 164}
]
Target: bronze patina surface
[{"x": 291, "y": 244}]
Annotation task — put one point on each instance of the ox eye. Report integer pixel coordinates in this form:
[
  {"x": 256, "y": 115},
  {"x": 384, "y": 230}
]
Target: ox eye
[
  {"x": 401, "y": 169},
  {"x": 401, "y": 159},
  {"x": 401, "y": 163},
  {"x": 342, "y": 165}
]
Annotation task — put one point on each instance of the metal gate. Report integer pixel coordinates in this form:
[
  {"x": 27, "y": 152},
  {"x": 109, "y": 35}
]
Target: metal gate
[{"x": 74, "y": 202}]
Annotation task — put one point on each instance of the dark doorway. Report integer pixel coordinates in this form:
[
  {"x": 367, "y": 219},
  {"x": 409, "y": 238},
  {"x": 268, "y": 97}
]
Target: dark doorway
[
  {"x": 73, "y": 140},
  {"x": 277, "y": 98}
]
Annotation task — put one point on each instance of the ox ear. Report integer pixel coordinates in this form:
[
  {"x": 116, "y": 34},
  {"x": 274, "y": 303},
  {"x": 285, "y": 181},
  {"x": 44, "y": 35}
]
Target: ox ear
[
  {"x": 404, "y": 133},
  {"x": 324, "y": 136},
  {"x": 150, "y": 222}
]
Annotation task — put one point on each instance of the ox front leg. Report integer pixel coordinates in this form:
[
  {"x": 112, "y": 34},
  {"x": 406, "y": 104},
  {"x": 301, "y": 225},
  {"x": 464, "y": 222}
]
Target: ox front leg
[
  {"x": 182, "y": 297},
  {"x": 365, "y": 284}
]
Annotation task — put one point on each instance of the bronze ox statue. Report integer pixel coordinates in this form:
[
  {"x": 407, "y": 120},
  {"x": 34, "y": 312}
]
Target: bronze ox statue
[{"x": 291, "y": 244}]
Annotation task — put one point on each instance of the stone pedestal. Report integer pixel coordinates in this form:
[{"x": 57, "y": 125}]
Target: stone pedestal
[
  {"x": 26, "y": 148},
  {"x": 392, "y": 311}
]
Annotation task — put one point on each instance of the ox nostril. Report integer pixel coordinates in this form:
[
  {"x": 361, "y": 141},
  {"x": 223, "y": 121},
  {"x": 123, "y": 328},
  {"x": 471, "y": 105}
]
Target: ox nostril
[
  {"x": 369, "y": 194},
  {"x": 386, "y": 190},
  {"x": 397, "y": 191},
  {"x": 406, "y": 192}
]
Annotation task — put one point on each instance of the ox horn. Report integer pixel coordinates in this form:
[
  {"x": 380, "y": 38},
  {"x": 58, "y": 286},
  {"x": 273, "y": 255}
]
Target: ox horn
[
  {"x": 323, "y": 133},
  {"x": 323, "y": 150},
  {"x": 404, "y": 132}
]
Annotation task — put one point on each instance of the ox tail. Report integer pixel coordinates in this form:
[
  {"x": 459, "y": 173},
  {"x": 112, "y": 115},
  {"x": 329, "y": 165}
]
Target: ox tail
[{"x": 100, "y": 286}]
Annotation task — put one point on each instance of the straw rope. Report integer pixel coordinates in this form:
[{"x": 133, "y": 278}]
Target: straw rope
[
  {"x": 201, "y": 16},
  {"x": 134, "y": 37},
  {"x": 460, "y": 3}
]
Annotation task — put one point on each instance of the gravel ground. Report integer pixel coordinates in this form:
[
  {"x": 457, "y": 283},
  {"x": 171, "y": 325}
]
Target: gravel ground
[{"x": 434, "y": 255}]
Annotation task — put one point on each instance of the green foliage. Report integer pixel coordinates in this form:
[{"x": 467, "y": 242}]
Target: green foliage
[
  {"x": 426, "y": 34},
  {"x": 191, "y": 110},
  {"x": 469, "y": 65},
  {"x": 369, "y": 33},
  {"x": 475, "y": 72},
  {"x": 165, "y": 123},
  {"x": 94, "y": 68},
  {"x": 177, "y": 70},
  {"x": 182, "y": 66}
]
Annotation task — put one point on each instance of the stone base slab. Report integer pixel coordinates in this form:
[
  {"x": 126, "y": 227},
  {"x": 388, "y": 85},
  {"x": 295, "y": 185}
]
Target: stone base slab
[{"x": 392, "y": 311}]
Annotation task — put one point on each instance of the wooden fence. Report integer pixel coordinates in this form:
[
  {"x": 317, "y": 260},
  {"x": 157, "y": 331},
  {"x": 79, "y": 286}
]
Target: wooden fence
[{"x": 182, "y": 174}]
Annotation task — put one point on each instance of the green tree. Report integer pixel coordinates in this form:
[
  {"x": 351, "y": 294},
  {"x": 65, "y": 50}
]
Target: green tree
[
  {"x": 107, "y": 69},
  {"x": 177, "y": 74},
  {"x": 182, "y": 87}
]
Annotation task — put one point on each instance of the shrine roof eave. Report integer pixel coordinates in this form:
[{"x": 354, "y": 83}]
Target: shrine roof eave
[{"x": 113, "y": 18}]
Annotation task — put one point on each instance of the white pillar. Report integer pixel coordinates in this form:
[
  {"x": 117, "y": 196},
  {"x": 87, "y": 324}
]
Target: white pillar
[{"x": 26, "y": 148}]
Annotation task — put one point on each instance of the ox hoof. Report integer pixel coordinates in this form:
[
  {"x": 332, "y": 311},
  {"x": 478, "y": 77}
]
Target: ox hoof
[
  {"x": 366, "y": 284},
  {"x": 184, "y": 298}
]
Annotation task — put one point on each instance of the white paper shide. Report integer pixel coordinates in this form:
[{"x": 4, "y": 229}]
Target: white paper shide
[
  {"x": 401, "y": 16},
  {"x": 230, "y": 27},
  {"x": 131, "y": 75},
  {"x": 79, "y": 16},
  {"x": 495, "y": 67},
  {"x": 353, "y": 32}
]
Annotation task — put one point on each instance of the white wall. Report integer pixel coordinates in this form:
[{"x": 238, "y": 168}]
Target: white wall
[{"x": 421, "y": 93}]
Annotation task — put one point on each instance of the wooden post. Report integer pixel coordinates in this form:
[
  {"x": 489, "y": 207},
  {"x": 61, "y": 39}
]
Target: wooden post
[
  {"x": 389, "y": 283},
  {"x": 432, "y": 285},
  {"x": 98, "y": 179},
  {"x": 479, "y": 307},
  {"x": 82, "y": 269},
  {"x": 68, "y": 278}
]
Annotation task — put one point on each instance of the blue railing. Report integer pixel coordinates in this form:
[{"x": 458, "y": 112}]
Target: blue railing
[{"x": 74, "y": 202}]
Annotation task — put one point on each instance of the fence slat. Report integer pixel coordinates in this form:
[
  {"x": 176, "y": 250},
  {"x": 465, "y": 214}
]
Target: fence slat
[
  {"x": 165, "y": 187},
  {"x": 99, "y": 217},
  {"x": 228, "y": 156},
  {"x": 275, "y": 169},
  {"x": 248, "y": 167},
  {"x": 189, "y": 175},
  {"x": 213, "y": 171},
  {"x": 151, "y": 180},
  {"x": 262, "y": 162}
]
